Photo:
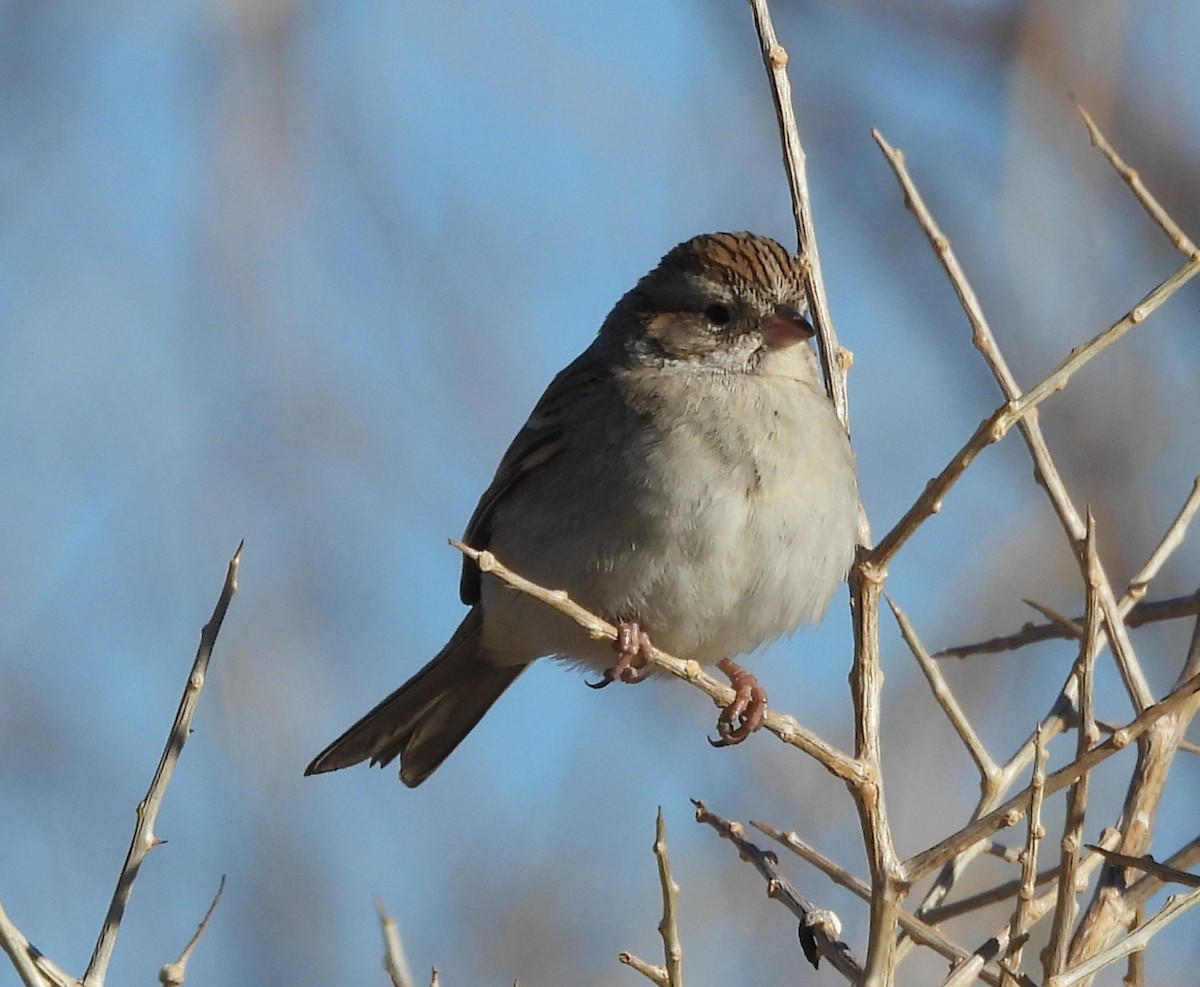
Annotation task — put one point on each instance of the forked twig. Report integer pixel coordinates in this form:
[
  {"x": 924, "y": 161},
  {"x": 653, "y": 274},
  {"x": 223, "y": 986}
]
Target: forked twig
[{"x": 819, "y": 928}]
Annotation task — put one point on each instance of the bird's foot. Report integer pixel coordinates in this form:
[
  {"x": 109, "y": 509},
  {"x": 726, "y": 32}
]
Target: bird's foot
[
  {"x": 633, "y": 649},
  {"x": 746, "y": 711}
]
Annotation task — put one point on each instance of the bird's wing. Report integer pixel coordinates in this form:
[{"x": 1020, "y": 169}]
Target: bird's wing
[{"x": 543, "y": 436}]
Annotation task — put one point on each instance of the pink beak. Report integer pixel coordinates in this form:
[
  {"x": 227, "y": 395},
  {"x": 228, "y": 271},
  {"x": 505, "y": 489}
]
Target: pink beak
[{"x": 785, "y": 327}]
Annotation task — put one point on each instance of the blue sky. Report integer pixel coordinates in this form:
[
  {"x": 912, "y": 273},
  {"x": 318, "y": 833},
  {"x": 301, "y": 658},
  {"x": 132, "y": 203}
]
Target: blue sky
[{"x": 294, "y": 273}]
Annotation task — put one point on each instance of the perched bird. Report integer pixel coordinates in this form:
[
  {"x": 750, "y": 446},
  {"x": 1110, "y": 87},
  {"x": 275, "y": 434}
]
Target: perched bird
[{"x": 685, "y": 478}]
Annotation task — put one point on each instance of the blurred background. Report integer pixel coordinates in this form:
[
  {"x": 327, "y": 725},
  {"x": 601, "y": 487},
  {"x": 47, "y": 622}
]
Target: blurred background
[{"x": 295, "y": 272}]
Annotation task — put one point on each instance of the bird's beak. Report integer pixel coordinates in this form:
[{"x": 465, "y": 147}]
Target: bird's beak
[{"x": 786, "y": 326}]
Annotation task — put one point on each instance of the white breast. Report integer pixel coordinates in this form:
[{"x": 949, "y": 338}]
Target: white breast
[{"x": 718, "y": 528}]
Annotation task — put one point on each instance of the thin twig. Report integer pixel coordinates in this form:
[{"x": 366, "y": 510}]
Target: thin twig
[
  {"x": 1066, "y": 623},
  {"x": 1087, "y": 734},
  {"x": 651, "y": 971},
  {"x": 944, "y": 697},
  {"x": 982, "y": 899},
  {"x": 668, "y": 928},
  {"x": 1166, "y": 873},
  {"x": 834, "y": 360},
  {"x": 1022, "y": 916},
  {"x": 175, "y": 974},
  {"x": 144, "y": 839},
  {"x": 1153, "y": 207},
  {"x": 1172, "y": 538},
  {"x": 1148, "y": 612},
  {"x": 1144, "y": 888}
]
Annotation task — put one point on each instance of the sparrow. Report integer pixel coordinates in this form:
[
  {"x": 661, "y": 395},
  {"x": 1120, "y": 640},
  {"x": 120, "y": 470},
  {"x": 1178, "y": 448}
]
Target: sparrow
[{"x": 686, "y": 478}]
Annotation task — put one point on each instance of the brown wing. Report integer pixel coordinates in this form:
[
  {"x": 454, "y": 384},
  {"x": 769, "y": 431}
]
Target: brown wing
[{"x": 541, "y": 438}]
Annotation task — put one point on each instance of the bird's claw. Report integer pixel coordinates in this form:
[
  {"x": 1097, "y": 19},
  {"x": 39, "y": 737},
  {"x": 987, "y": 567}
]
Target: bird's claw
[
  {"x": 633, "y": 649},
  {"x": 745, "y": 712}
]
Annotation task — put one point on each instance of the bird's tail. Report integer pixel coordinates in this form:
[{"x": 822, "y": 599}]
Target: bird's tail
[{"x": 428, "y": 716}]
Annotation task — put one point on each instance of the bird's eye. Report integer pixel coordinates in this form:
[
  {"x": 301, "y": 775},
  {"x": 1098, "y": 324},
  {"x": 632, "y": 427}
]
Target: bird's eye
[{"x": 718, "y": 314}]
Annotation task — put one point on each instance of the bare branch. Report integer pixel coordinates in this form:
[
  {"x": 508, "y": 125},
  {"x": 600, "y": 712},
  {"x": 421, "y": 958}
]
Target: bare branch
[
  {"x": 650, "y": 971},
  {"x": 819, "y": 928},
  {"x": 1171, "y": 875},
  {"x": 834, "y": 359},
  {"x": 144, "y": 839},
  {"x": 1056, "y": 721},
  {"x": 1153, "y": 207},
  {"x": 1111, "y": 910},
  {"x": 968, "y": 972},
  {"x": 668, "y": 928},
  {"x": 1046, "y": 471},
  {"x": 1139, "y": 614},
  {"x": 34, "y": 968},
  {"x": 395, "y": 963},
  {"x": 1066, "y": 907},
  {"x": 945, "y": 698},
  {"x": 1022, "y": 917}
]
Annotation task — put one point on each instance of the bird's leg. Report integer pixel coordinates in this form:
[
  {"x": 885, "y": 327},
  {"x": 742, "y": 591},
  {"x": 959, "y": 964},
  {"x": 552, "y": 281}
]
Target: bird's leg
[
  {"x": 633, "y": 649},
  {"x": 746, "y": 712}
]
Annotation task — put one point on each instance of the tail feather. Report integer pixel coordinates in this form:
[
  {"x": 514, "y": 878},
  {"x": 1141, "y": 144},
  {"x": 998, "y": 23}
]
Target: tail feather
[{"x": 428, "y": 716}]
